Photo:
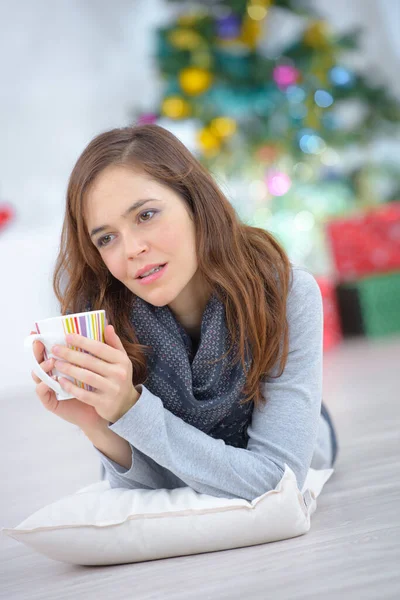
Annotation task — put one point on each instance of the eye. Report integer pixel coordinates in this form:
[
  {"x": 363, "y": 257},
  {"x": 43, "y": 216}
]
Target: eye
[
  {"x": 102, "y": 242},
  {"x": 146, "y": 212}
]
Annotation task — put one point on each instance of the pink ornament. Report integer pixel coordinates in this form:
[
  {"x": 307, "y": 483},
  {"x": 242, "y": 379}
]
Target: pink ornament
[
  {"x": 147, "y": 118},
  {"x": 278, "y": 183},
  {"x": 285, "y": 75}
]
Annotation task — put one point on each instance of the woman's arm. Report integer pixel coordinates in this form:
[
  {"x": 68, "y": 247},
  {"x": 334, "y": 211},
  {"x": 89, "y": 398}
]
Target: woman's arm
[
  {"x": 112, "y": 446},
  {"x": 127, "y": 467},
  {"x": 283, "y": 431}
]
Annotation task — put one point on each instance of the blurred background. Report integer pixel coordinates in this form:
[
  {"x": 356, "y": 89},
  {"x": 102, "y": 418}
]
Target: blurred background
[{"x": 293, "y": 106}]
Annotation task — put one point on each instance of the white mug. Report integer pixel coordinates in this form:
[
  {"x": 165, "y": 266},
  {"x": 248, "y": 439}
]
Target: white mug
[{"x": 52, "y": 331}]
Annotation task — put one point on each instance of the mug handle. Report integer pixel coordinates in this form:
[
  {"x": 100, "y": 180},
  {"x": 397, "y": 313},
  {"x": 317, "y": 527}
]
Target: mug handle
[{"x": 37, "y": 369}]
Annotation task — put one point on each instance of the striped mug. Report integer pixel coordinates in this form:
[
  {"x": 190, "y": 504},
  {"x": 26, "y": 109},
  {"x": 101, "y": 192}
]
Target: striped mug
[{"x": 53, "y": 331}]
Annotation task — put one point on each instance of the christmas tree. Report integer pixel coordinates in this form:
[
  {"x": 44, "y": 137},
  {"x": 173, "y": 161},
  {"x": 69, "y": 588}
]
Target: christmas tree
[{"x": 269, "y": 124}]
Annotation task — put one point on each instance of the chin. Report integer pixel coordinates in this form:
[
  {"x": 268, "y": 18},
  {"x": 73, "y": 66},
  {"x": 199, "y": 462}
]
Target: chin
[{"x": 157, "y": 298}]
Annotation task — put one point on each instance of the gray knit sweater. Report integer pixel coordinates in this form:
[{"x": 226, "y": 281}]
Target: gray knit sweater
[{"x": 168, "y": 453}]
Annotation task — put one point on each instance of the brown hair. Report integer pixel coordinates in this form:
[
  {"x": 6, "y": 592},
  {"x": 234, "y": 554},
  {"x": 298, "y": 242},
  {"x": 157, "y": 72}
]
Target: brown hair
[{"x": 245, "y": 265}]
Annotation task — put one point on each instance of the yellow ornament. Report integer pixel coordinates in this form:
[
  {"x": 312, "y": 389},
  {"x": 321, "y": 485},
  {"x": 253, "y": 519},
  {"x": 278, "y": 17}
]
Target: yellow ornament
[
  {"x": 195, "y": 80},
  {"x": 257, "y": 9},
  {"x": 175, "y": 107},
  {"x": 209, "y": 143},
  {"x": 190, "y": 19},
  {"x": 252, "y": 26},
  {"x": 223, "y": 127},
  {"x": 202, "y": 58},
  {"x": 250, "y": 32},
  {"x": 317, "y": 35},
  {"x": 184, "y": 39}
]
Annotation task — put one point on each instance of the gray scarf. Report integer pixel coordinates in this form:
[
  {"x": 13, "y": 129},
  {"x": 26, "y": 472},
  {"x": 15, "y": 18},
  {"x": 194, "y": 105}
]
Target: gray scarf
[{"x": 203, "y": 395}]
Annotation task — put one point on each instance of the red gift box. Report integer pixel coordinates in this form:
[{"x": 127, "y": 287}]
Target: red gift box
[
  {"x": 332, "y": 324},
  {"x": 367, "y": 243}
]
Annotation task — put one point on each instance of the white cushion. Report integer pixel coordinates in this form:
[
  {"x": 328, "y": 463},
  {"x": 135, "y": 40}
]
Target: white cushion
[{"x": 99, "y": 525}]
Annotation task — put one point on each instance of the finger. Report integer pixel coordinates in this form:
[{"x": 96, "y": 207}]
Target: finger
[
  {"x": 47, "y": 366},
  {"x": 38, "y": 350},
  {"x": 67, "y": 356},
  {"x": 47, "y": 396},
  {"x": 112, "y": 339},
  {"x": 79, "y": 393},
  {"x": 83, "y": 375},
  {"x": 94, "y": 347}
]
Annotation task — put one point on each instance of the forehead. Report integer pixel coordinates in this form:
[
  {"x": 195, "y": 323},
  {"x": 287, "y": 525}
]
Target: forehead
[
  {"x": 116, "y": 180},
  {"x": 118, "y": 187}
]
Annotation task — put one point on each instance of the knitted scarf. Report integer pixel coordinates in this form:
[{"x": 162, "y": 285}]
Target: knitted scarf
[{"x": 203, "y": 395}]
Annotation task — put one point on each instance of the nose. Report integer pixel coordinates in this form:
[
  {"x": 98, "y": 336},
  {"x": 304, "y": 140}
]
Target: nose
[{"x": 133, "y": 246}]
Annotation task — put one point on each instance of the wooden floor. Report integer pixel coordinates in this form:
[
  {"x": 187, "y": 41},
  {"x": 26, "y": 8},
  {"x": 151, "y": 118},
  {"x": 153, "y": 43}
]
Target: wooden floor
[{"x": 352, "y": 550}]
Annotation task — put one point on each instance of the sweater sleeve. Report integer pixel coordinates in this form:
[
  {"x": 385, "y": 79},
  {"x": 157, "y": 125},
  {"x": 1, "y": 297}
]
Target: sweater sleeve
[{"x": 284, "y": 430}]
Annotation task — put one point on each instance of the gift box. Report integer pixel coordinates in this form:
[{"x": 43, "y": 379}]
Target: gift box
[
  {"x": 366, "y": 243},
  {"x": 370, "y": 306},
  {"x": 332, "y": 325}
]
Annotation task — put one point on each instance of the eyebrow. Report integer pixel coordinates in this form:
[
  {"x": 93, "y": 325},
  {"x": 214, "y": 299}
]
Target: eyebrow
[{"x": 134, "y": 206}]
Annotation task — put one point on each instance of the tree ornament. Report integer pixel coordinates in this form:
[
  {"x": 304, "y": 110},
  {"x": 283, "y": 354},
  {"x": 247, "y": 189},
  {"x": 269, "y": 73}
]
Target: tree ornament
[
  {"x": 175, "y": 107},
  {"x": 209, "y": 142},
  {"x": 250, "y": 33},
  {"x": 202, "y": 57},
  {"x": 194, "y": 80},
  {"x": 189, "y": 19},
  {"x": 223, "y": 127},
  {"x": 317, "y": 34},
  {"x": 184, "y": 39},
  {"x": 285, "y": 75},
  {"x": 228, "y": 27},
  {"x": 278, "y": 183}
]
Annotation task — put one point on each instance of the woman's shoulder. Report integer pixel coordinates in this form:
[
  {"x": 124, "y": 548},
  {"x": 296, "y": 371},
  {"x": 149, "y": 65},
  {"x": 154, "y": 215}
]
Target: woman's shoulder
[
  {"x": 304, "y": 292},
  {"x": 301, "y": 279}
]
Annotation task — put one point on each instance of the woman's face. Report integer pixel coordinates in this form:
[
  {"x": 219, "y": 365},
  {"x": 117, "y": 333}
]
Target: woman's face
[{"x": 159, "y": 231}]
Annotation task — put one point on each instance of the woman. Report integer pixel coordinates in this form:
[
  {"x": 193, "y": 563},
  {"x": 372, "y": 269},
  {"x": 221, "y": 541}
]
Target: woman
[{"x": 212, "y": 377}]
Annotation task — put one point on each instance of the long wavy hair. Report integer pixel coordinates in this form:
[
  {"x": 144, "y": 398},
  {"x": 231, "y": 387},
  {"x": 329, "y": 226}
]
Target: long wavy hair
[{"x": 245, "y": 266}]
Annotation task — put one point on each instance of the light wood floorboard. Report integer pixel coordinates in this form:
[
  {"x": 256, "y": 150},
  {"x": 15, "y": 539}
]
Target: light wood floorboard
[{"x": 352, "y": 550}]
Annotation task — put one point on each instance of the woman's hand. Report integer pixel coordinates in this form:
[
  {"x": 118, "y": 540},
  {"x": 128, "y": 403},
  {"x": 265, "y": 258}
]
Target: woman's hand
[
  {"x": 73, "y": 411},
  {"x": 107, "y": 369}
]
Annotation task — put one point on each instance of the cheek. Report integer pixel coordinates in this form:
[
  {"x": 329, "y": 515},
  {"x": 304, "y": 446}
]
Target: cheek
[
  {"x": 179, "y": 241},
  {"x": 115, "y": 266}
]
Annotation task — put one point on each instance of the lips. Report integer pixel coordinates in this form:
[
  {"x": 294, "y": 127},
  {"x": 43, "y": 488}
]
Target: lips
[
  {"x": 151, "y": 271},
  {"x": 147, "y": 268},
  {"x": 153, "y": 277}
]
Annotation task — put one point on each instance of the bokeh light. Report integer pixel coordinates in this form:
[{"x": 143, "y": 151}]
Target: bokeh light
[
  {"x": 330, "y": 157},
  {"x": 304, "y": 220},
  {"x": 323, "y": 98},
  {"x": 311, "y": 143},
  {"x": 341, "y": 76},
  {"x": 295, "y": 94},
  {"x": 278, "y": 183}
]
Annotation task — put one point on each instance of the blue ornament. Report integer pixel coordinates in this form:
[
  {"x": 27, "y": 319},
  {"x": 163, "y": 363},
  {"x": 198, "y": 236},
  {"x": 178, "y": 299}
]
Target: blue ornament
[
  {"x": 228, "y": 27},
  {"x": 323, "y": 98},
  {"x": 341, "y": 76}
]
